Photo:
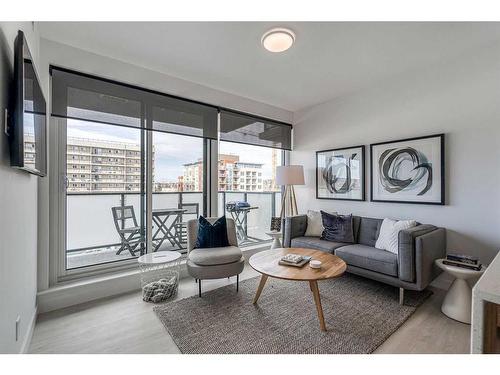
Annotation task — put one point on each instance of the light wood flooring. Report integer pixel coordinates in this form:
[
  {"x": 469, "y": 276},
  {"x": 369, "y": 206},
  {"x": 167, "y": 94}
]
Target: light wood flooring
[{"x": 125, "y": 324}]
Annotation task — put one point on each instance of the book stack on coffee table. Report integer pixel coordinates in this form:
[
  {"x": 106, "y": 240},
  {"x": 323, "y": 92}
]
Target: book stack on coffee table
[
  {"x": 294, "y": 260},
  {"x": 463, "y": 261}
]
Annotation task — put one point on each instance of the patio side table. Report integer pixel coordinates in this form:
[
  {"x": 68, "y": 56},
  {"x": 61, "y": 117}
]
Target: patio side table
[{"x": 159, "y": 275}]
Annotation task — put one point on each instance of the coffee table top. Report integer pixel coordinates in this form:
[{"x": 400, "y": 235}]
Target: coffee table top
[{"x": 266, "y": 262}]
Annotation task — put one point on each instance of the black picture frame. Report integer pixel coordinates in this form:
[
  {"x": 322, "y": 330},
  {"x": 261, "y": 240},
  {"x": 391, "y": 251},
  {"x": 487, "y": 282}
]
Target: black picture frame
[
  {"x": 363, "y": 174},
  {"x": 441, "y": 178}
]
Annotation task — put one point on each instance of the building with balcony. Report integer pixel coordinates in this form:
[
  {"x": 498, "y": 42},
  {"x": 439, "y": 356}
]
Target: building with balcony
[
  {"x": 102, "y": 166},
  {"x": 233, "y": 175}
]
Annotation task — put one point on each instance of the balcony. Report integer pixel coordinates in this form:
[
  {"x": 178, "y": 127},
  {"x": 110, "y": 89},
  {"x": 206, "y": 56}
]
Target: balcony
[{"x": 93, "y": 239}]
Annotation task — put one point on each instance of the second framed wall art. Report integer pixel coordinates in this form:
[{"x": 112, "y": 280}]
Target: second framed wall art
[
  {"x": 408, "y": 170},
  {"x": 340, "y": 174}
]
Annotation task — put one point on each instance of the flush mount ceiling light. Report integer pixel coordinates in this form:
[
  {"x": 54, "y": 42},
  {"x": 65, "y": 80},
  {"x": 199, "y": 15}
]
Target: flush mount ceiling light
[{"x": 278, "y": 39}]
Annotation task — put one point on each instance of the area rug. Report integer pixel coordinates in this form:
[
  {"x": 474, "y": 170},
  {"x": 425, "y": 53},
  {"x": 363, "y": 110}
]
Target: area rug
[{"x": 360, "y": 314}]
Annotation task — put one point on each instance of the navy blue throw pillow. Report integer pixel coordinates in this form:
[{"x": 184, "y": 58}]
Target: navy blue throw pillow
[
  {"x": 211, "y": 235},
  {"x": 338, "y": 228}
]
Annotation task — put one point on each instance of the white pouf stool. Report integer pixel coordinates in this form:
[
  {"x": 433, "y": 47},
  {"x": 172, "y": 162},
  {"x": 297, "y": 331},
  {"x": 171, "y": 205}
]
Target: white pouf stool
[{"x": 458, "y": 301}]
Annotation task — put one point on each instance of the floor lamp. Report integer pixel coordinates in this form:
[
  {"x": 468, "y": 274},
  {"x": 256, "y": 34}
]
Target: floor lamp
[{"x": 288, "y": 176}]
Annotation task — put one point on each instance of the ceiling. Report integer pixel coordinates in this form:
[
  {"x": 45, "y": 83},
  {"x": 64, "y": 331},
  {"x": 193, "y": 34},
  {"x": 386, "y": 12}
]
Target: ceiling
[{"x": 327, "y": 60}]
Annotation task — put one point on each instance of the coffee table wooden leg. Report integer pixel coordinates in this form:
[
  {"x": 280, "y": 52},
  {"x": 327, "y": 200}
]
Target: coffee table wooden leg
[
  {"x": 263, "y": 280},
  {"x": 317, "y": 300}
]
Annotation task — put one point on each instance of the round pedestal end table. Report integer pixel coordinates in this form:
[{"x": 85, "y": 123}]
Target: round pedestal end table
[
  {"x": 458, "y": 301},
  {"x": 276, "y": 239},
  {"x": 159, "y": 275}
]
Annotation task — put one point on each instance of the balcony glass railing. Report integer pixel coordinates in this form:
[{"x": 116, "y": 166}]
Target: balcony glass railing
[{"x": 92, "y": 237}]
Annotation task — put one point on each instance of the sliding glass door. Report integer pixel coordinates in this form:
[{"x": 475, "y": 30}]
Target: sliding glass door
[
  {"x": 134, "y": 165},
  {"x": 104, "y": 193},
  {"x": 250, "y": 149},
  {"x": 247, "y": 174},
  {"x": 134, "y": 169},
  {"x": 178, "y": 188}
]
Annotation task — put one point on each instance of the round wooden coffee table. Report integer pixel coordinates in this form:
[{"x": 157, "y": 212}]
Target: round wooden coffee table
[{"x": 266, "y": 263}]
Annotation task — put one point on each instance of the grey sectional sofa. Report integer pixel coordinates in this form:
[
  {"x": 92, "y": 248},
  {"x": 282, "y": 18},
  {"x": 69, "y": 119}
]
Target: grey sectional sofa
[{"x": 413, "y": 268}]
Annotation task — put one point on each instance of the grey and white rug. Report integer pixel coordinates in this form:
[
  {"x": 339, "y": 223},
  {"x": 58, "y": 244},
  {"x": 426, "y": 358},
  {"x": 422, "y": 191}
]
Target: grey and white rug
[{"x": 360, "y": 314}]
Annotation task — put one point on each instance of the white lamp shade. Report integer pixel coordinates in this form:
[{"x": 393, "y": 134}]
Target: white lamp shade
[{"x": 290, "y": 175}]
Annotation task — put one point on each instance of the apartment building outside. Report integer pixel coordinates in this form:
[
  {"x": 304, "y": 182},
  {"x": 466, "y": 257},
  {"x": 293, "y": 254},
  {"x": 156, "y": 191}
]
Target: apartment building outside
[
  {"x": 105, "y": 166},
  {"x": 102, "y": 166},
  {"x": 233, "y": 175}
]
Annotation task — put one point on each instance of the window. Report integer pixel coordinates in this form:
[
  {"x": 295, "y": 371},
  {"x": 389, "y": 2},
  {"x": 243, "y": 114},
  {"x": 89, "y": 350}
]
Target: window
[
  {"x": 126, "y": 146},
  {"x": 91, "y": 235},
  {"x": 237, "y": 160},
  {"x": 178, "y": 179}
]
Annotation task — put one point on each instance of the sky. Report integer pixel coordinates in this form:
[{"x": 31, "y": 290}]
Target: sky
[{"x": 171, "y": 150}]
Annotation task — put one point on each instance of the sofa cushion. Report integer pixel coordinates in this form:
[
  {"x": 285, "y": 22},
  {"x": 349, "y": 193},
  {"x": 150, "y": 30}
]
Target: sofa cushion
[
  {"x": 370, "y": 258},
  {"x": 215, "y": 255},
  {"x": 316, "y": 243},
  {"x": 368, "y": 231}
]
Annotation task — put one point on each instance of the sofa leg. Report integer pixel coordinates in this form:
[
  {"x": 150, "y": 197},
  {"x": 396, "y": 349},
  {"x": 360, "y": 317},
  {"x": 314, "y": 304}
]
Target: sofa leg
[
  {"x": 199, "y": 287},
  {"x": 401, "y": 296},
  {"x": 237, "y": 283}
]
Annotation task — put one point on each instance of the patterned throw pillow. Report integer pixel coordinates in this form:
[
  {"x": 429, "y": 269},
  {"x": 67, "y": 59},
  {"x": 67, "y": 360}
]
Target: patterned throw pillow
[
  {"x": 211, "y": 235},
  {"x": 338, "y": 228}
]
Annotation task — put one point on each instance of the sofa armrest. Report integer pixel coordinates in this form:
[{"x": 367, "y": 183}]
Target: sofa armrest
[
  {"x": 409, "y": 249},
  {"x": 429, "y": 247},
  {"x": 295, "y": 226}
]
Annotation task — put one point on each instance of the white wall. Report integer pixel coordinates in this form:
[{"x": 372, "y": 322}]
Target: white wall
[
  {"x": 460, "y": 98},
  {"x": 18, "y": 213}
]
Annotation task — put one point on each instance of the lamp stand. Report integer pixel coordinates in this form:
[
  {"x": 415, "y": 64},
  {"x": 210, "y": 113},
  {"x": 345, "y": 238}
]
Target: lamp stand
[{"x": 289, "y": 202}]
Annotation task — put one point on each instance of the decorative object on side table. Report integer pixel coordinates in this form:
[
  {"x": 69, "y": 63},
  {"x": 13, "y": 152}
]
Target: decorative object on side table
[
  {"x": 288, "y": 176},
  {"x": 340, "y": 174},
  {"x": 159, "y": 275},
  {"x": 275, "y": 235},
  {"x": 276, "y": 223},
  {"x": 458, "y": 300},
  {"x": 408, "y": 170}
]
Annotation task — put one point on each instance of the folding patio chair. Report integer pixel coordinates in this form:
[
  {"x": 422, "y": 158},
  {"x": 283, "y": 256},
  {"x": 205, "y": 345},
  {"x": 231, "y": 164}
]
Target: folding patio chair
[
  {"x": 193, "y": 210},
  {"x": 130, "y": 235}
]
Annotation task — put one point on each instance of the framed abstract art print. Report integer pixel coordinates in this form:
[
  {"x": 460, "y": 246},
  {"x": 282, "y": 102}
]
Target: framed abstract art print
[
  {"x": 340, "y": 174},
  {"x": 408, "y": 170}
]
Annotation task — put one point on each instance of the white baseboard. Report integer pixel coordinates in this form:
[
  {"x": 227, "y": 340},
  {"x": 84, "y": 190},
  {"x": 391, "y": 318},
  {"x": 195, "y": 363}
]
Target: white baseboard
[
  {"x": 29, "y": 333},
  {"x": 81, "y": 291}
]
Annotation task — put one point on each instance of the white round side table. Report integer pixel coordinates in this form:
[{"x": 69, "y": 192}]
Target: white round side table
[
  {"x": 159, "y": 275},
  {"x": 458, "y": 301},
  {"x": 276, "y": 239}
]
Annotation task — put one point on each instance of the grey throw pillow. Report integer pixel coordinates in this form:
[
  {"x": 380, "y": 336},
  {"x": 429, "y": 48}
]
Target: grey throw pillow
[{"x": 338, "y": 228}]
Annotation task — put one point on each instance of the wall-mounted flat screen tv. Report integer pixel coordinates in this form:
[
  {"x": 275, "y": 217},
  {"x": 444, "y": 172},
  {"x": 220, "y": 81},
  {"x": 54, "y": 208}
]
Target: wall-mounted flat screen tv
[{"x": 28, "y": 123}]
